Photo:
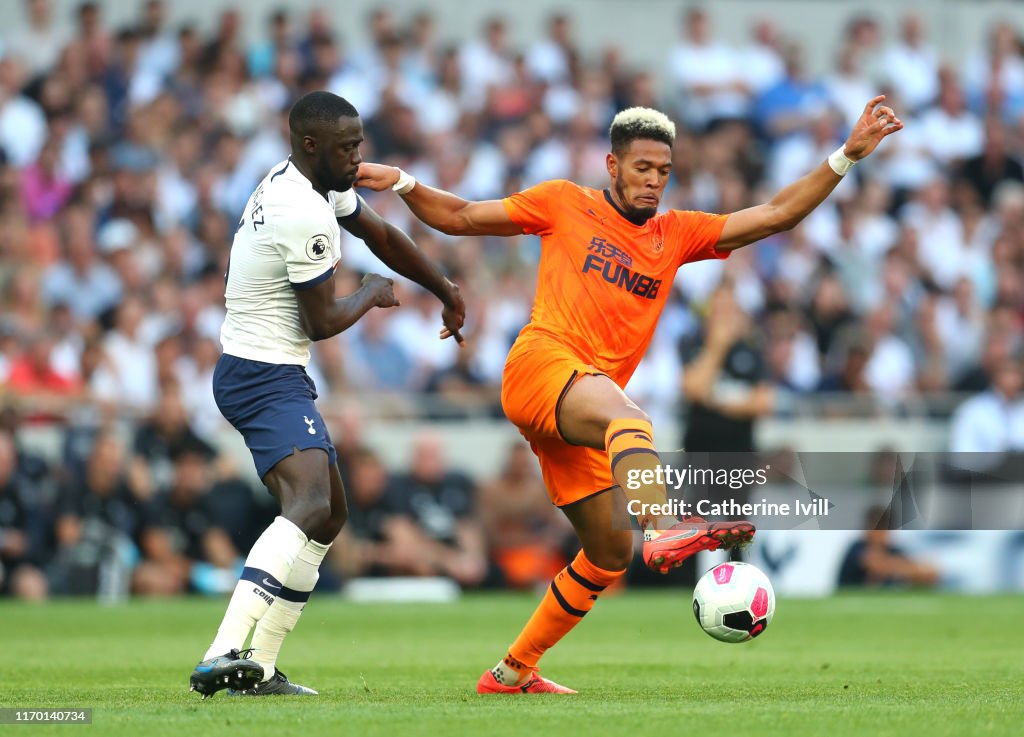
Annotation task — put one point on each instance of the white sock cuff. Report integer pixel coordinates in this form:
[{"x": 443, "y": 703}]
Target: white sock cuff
[
  {"x": 314, "y": 553},
  {"x": 277, "y": 549},
  {"x": 285, "y": 527},
  {"x": 306, "y": 571}
]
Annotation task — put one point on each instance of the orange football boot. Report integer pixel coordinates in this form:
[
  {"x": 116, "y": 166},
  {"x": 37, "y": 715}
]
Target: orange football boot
[
  {"x": 536, "y": 684},
  {"x": 669, "y": 548}
]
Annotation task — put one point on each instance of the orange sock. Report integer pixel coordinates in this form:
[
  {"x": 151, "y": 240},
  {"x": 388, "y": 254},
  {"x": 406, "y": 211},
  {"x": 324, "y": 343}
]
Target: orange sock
[
  {"x": 630, "y": 446},
  {"x": 572, "y": 594}
]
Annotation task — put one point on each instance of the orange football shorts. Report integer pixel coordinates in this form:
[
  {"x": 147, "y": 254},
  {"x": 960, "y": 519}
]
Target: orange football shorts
[{"x": 538, "y": 373}]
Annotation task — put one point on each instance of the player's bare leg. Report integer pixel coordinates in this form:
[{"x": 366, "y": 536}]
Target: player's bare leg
[
  {"x": 597, "y": 413},
  {"x": 302, "y": 500},
  {"x": 607, "y": 551},
  {"x": 280, "y": 571}
]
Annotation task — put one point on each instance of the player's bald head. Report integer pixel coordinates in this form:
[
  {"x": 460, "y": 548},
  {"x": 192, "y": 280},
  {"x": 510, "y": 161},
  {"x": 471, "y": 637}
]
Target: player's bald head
[
  {"x": 637, "y": 123},
  {"x": 312, "y": 112}
]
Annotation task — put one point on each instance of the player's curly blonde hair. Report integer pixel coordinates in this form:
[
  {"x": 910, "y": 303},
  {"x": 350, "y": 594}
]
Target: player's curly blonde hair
[{"x": 640, "y": 122}]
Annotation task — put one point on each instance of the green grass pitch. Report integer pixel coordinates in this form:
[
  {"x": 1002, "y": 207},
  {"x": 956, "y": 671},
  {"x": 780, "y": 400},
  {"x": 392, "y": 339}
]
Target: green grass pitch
[{"x": 875, "y": 664}]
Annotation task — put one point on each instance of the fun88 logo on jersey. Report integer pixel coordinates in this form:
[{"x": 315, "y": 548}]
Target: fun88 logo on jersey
[{"x": 614, "y": 264}]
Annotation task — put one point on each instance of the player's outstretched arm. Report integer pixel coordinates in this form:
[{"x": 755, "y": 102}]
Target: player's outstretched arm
[
  {"x": 439, "y": 209},
  {"x": 795, "y": 202},
  {"x": 398, "y": 251},
  {"x": 323, "y": 316}
]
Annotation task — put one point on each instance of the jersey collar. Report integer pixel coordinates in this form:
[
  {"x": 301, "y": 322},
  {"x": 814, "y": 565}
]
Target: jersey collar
[
  {"x": 632, "y": 219},
  {"x": 293, "y": 172}
]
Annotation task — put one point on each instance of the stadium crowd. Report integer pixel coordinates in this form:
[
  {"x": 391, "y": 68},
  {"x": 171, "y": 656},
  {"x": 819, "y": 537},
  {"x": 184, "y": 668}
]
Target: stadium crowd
[{"x": 128, "y": 154}]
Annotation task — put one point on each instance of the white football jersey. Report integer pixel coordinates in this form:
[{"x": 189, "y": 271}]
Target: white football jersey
[{"x": 287, "y": 239}]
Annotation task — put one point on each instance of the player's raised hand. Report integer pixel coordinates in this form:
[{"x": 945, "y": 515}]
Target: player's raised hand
[
  {"x": 377, "y": 177},
  {"x": 382, "y": 288},
  {"x": 875, "y": 123},
  {"x": 453, "y": 315}
]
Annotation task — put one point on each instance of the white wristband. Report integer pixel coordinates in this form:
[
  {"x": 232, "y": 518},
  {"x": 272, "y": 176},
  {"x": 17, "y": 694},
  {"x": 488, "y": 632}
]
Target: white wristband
[
  {"x": 405, "y": 183},
  {"x": 840, "y": 162}
]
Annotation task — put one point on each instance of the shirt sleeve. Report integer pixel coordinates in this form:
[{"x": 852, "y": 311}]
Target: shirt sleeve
[
  {"x": 347, "y": 204},
  {"x": 533, "y": 209},
  {"x": 306, "y": 243},
  {"x": 697, "y": 233}
]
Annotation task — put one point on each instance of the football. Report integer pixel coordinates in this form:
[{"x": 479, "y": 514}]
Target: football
[{"x": 734, "y": 602}]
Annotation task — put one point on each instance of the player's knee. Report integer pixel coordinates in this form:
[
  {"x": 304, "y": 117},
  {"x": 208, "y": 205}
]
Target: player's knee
[
  {"x": 631, "y": 413},
  {"x": 311, "y": 513},
  {"x": 332, "y": 528},
  {"x": 339, "y": 517},
  {"x": 615, "y": 554}
]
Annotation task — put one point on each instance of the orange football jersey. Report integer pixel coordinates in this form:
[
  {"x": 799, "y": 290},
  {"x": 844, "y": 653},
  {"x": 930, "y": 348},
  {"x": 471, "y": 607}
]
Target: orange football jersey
[{"x": 603, "y": 281}]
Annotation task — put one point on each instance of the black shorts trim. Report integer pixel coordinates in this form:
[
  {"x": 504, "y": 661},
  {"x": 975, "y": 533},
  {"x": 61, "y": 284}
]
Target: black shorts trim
[
  {"x": 576, "y": 374},
  {"x": 588, "y": 496}
]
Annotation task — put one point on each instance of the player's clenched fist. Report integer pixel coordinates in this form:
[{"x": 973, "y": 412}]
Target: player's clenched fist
[{"x": 382, "y": 288}]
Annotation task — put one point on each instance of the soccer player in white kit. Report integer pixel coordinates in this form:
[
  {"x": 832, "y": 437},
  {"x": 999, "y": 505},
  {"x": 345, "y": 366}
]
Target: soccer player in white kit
[{"x": 280, "y": 296}]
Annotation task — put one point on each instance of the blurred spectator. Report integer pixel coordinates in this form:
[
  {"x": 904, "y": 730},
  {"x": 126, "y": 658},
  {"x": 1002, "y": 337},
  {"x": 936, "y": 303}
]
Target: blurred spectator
[
  {"x": 760, "y": 61},
  {"x": 160, "y": 54},
  {"x": 911, "y": 65},
  {"x": 264, "y": 56},
  {"x": 526, "y": 534},
  {"x": 939, "y": 232},
  {"x": 378, "y": 361},
  {"x": 829, "y": 312},
  {"x": 875, "y": 561},
  {"x": 23, "y": 128},
  {"x": 707, "y": 74},
  {"x": 551, "y": 60},
  {"x": 165, "y": 435},
  {"x": 850, "y": 360},
  {"x": 850, "y": 85},
  {"x": 994, "y": 76},
  {"x": 366, "y": 547},
  {"x": 890, "y": 368},
  {"x": 88, "y": 285},
  {"x": 435, "y": 512},
  {"x": 792, "y": 356},
  {"x": 46, "y": 393},
  {"x": 725, "y": 381},
  {"x": 44, "y": 188},
  {"x": 97, "y": 520},
  {"x": 461, "y": 391},
  {"x": 179, "y": 537},
  {"x": 994, "y": 165},
  {"x": 39, "y": 40},
  {"x": 953, "y": 133},
  {"x": 993, "y": 421},
  {"x": 996, "y": 349},
  {"x": 93, "y": 36},
  {"x": 484, "y": 63},
  {"x": 23, "y": 529},
  {"x": 786, "y": 107},
  {"x": 132, "y": 359}
]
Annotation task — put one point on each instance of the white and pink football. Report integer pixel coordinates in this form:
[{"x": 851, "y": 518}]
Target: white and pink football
[{"x": 734, "y": 602}]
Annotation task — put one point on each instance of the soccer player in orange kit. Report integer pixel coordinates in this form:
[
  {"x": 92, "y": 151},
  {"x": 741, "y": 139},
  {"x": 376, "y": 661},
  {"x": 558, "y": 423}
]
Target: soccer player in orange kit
[{"x": 607, "y": 265}]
